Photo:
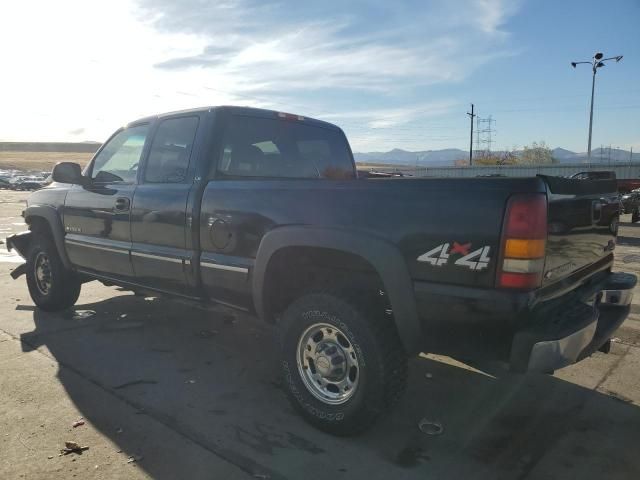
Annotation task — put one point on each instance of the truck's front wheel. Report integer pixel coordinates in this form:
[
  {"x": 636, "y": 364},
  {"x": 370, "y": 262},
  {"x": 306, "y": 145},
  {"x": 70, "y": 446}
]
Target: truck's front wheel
[
  {"x": 342, "y": 361},
  {"x": 51, "y": 286}
]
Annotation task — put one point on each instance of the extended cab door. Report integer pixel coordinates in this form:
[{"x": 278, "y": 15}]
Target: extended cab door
[
  {"x": 263, "y": 161},
  {"x": 97, "y": 216},
  {"x": 162, "y": 249}
]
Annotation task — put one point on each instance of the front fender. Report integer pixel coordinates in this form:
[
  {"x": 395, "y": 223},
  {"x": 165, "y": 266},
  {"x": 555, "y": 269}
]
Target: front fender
[
  {"x": 52, "y": 217},
  {"x": 382, "y": 255}
]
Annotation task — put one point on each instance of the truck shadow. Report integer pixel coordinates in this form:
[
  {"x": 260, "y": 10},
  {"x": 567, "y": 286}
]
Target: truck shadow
[{"x": 210, "y": 378}]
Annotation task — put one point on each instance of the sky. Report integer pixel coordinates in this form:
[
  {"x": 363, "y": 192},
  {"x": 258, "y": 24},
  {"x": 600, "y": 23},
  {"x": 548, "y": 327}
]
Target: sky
[{"x": 392, "y": 74}]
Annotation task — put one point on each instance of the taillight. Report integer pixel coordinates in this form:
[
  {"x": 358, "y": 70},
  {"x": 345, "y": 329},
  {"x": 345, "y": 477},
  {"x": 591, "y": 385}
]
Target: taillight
[{"x": 524, "y": 238}]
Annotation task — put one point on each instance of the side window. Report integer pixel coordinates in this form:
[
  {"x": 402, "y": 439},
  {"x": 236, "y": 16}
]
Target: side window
[
  {"x": 170, "y": 152},
  {"x": 118, "y": 160},
  {"x": 277, "y": 148}
]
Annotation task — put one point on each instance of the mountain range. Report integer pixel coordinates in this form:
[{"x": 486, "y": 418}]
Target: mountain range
[{"x": 447, "y": 156}]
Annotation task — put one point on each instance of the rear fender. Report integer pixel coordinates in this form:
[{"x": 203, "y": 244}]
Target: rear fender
[{"x": 383, "y": 256}]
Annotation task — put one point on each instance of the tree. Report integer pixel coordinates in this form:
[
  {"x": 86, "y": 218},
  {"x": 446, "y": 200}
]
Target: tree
[{"x": 537, "y": 154}]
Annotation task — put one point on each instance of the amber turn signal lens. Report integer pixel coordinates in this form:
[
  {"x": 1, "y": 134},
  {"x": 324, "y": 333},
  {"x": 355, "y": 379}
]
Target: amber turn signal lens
[{"x": 517, "y": 248}]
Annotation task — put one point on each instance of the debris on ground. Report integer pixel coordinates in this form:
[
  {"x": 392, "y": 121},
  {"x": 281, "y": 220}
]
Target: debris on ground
[
  {"x": 83, "y": 314},
  {"x": 430, "y": 427},
  {"x": 124, "y": 315},
  {"x": 190, "y": 381},
  {"x": 207, "y": 333},
  {"x": 428, "y": 375},
  {"x": 134, "y": 458},
  {"x": 50, "y": 457},
  {"x": 119, "y": 430},
  {"x": 72, "y": 447},
  {"x": 78, "y": 423}
]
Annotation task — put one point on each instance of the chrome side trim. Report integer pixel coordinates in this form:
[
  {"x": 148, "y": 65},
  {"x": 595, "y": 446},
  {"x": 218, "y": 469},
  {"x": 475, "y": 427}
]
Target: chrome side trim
[
  {"x": 157, "y": 257},
  {"x": 97, "y": 247},
  {"x": 229, "y": 268}
]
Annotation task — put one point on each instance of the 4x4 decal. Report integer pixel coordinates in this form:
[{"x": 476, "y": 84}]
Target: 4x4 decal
[{"x": 475, "y": 260}]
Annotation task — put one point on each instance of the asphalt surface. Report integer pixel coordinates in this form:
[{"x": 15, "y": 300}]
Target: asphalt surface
[{"x": 169, "y": 390}]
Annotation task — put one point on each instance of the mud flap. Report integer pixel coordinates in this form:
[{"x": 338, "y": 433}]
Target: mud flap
[
  {"x": 19, "y": 242},
  {"x": 18, "y": 271}
]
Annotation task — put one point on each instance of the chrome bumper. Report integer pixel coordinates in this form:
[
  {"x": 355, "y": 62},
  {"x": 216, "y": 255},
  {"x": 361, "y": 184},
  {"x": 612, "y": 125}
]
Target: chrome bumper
[
  {"x": 554, "y": 354},
  {"x": 595, "y": 323}
]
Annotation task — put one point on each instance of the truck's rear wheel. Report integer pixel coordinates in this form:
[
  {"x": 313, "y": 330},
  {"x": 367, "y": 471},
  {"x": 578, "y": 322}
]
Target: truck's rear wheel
[
  {"x": 342, "y": 361},
  {"x": 51, "y": 286}
]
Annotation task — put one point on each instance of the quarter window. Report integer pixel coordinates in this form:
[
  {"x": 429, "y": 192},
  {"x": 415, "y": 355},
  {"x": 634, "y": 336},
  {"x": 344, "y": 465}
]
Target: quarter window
[{"x": 275, "y": 148}]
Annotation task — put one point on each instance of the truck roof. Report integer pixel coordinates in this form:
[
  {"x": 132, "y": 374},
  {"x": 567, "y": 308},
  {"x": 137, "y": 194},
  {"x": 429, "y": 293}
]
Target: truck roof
[{"x": 238, "y": 110}]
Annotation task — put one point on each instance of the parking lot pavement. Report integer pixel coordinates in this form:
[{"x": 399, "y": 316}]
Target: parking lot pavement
[{"x": 194, "y": 393}]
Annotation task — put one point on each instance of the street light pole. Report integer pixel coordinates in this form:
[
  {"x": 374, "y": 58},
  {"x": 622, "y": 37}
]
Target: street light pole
[
  {"x": 593, "y": 89},
  {"x": 596, "y": 63}
]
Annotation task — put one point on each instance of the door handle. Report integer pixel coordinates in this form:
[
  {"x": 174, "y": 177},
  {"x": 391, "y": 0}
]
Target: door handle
[{"x": 122, "y": 204}]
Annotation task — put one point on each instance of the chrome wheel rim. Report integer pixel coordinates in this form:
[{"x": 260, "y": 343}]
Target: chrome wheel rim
[
  {"x": 42, "y": 271},
  {"x": 328, "y": 363}
]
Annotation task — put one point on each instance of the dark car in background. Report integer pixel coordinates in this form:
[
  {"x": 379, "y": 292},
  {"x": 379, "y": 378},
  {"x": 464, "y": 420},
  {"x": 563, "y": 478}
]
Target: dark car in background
[{"x": 631, "y": 204}]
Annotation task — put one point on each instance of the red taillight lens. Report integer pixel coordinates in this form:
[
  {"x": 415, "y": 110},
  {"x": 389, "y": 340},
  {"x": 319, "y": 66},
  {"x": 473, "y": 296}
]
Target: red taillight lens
[
  {"x": 523, "y": 281},
  {"x": 526, "y": 217},
  {"x": 523, "y": 242}
]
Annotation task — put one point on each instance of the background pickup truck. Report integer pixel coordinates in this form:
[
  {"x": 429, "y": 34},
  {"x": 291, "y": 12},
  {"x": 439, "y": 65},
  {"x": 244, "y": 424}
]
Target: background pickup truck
[{"x": 262, "y": 211}]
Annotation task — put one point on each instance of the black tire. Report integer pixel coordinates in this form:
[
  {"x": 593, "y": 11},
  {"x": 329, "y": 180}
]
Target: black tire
[
  {"x": 635, "y": 216},
  {"x": 63, "y": 285},
  {"x": 381, "y": 372}
]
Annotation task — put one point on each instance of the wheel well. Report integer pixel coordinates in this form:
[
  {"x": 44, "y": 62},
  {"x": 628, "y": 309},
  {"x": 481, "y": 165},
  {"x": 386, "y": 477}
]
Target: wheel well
[
  {"x": 292, "y": 270},
  {"x": 39, "y": 225}
]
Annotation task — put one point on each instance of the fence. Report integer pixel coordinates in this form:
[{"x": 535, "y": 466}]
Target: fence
[{"x": 621, "y": 169}]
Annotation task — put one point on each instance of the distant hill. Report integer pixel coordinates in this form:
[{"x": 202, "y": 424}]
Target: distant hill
[
  {"x": 403, "y": 157},
  {"x": 77, "y": 147},
  {"x": 447, "y": 157}
]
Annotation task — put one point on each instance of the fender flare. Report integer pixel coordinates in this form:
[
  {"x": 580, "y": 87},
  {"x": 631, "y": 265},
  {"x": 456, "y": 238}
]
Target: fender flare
[
  {"x": 52, "y": 217},
  {"x": 382, "y": 255}
]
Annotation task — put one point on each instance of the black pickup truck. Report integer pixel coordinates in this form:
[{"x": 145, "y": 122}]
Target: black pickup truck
[{"x": 262, "y": 211}]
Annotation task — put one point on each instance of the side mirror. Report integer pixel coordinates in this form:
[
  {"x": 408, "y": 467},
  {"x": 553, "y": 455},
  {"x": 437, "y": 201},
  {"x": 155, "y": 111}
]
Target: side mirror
[{"x": 68, "y": 172}]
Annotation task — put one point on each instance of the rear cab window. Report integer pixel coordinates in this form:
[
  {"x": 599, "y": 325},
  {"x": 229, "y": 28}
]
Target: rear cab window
[{"x": 277, "y": 148}]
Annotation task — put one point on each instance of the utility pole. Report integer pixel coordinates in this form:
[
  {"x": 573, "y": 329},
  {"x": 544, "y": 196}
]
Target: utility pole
[
  {"x": 471, "y": 115},
  {"x": 596, "y": 63}
]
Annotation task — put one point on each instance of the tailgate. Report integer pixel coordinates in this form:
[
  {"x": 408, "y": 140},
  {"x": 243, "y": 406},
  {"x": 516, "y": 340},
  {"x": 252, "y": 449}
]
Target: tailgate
[{"x": 582, "y": 224}]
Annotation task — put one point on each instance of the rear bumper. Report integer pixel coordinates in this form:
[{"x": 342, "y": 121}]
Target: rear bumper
[
  {"x": 530, "y": 331},
  {"x": 562, "y": 334}
]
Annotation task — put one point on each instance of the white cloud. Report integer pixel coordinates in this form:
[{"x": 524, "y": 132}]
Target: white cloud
[{"x": 81, "y": 68}]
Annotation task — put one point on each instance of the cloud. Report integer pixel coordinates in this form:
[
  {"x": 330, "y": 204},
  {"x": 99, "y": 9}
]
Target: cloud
[
  {"x": 392, "y": 117},
  {"x": 377, "y": 47}
]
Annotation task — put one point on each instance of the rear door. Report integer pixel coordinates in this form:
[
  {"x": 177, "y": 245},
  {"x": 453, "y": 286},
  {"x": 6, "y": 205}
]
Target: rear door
[
  {"x": 582, "y": 225},
  {"x": 97, "y": 216},
  {"x": 160, "y": 253}
]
